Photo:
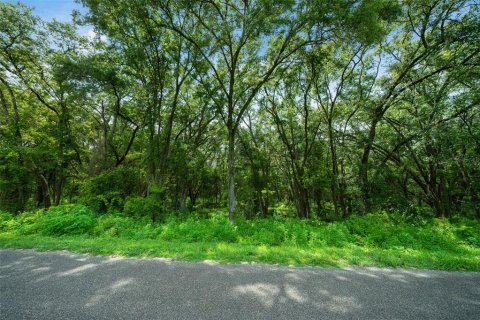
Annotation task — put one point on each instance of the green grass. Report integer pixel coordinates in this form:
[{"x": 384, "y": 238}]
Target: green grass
[{"x": 384, "y": 240}]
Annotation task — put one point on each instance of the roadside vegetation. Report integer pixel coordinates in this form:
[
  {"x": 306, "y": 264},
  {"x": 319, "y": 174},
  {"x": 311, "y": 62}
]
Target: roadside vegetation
[
  {"x": 379, "y": 239},
  {"x": 303, "y": 132}
]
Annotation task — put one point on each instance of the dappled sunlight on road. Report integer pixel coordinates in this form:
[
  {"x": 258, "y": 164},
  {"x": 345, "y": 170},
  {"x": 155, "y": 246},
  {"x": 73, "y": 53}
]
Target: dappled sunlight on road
[
  {"x": 263, "y": 292},
  {"x": 292, "y": 291},
  {"x": 78, "y": 271},
  {"x": 106, "y": 293},
  {"x": 54, "y": 283}
]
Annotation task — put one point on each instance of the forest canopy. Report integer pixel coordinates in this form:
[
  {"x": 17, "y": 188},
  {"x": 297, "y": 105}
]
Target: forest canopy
[{"x": 308, "y": 108}]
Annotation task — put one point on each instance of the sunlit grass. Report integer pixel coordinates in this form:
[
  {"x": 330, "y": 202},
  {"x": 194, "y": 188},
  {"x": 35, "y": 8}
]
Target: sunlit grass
[
  {"x": 236, "y": 253},
  {"x": 383, "y": 240}
]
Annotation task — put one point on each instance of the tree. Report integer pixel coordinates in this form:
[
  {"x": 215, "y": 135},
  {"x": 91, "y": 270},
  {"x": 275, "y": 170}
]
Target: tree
[
  {"x": 429, "y": 33},
  {"x": 309, "y": 108}
]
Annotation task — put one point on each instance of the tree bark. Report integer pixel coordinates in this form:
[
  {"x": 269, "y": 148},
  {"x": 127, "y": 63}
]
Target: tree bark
[
  {"x": 231, "y": 175},
  {"x": 363, "y": 170},
  {"x": 43, "y": 194},
  {"x": 337, "y": 190}
]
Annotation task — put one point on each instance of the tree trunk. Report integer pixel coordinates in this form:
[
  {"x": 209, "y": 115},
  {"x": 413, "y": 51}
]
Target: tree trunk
[
  {"x": 231, "y": 175},
  {"x": 43, "y": 192},
  {"x": 183, "y": 200},
  {"x": 341, "y": 190},
  {"x": 475, "y": 202},
  {"x": 301, "y": 196},
  {"x": 21, "y": 188},
  {"x": 363, "y": 170},
  {"x": 335, "y": 185},
  {"x": 303, "y": 207},
  {"x": 317, "y": 197},
  {"x": 192, "y": 195}
]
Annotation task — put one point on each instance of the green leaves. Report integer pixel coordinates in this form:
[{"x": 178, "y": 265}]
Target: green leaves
[
  {"x": 370, "y": 20},
  {"x": 323, "y": 107}
]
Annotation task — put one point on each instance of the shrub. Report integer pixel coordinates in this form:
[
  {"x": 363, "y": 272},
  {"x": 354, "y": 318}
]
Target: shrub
[
  {"x": 126, "y": 227},
  {"x": 144, "y": 207},
  {"x": 5, "y": 220},
  {"x": 66, "y": 220},
  {"x": 371, "y": 229},
  {"x": 199, "y": 230},
  {"x": 102, "y": 203},
  {"x": 379, "y": 230},
  {"x": 335, "y": 235},
  {"x": 112, "y": 225},
  {"x": 469, "y": 235},
  {"x": 27, "y": 222},
  {"x": 283, "y": 209},
  {"x": 109, "y": 189}
]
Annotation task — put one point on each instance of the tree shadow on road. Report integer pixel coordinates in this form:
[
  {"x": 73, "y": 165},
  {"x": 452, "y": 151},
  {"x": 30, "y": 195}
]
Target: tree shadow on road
[{"x": 54, "y": 284}]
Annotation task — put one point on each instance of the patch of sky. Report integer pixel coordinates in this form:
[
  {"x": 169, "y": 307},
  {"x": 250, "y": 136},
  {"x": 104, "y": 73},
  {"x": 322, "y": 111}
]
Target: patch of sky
[{"x": 60, "y": 10}]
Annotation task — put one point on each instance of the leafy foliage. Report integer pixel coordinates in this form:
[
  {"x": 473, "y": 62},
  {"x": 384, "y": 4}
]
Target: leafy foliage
[
  {"x": 378, "y": 230},
  {"x": 375, "y": 239},
  {"x": 65, "y": 220},
  {"x": 110, "y": 189},
  {"x": 300, "y": 117},
  {"x": 144, "y": 207}
]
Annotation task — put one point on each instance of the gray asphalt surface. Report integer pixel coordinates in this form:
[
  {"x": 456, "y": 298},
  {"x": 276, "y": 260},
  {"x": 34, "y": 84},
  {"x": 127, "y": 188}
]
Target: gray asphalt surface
[{"x": 63, "y": 285}]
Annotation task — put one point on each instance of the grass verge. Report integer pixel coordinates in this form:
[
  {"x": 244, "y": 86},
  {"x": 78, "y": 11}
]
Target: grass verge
[
  {"x": 381, "y": 239},
  {"x": 235, "y": 252}
]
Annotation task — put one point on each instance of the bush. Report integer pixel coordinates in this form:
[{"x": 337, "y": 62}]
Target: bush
[
  {"x": 469, "y": 235},
  {"x": 371, "y": 229},
  {"x": 283, "y": 209},
  {"x": 335, "y": 235},
  {"x": 380, "y": 230},
  {"x": 25, "y": 223},
  {"x": 103, "y": 203},
  {"x": 109, "y": 189},
  {"x": 5, "y": 220},
  {"x": 112, "y": 225},
  {"x": 291, "y": 231},
  {"x": 126, "y": 227},
  {"x": 215, "y": 229},
  {"x": 144, "y": 207},
  {"x": 66, "y": 220}
]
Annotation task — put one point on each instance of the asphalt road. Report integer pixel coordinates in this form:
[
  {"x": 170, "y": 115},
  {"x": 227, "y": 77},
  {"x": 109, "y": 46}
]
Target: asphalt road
[{"x": 62, "y": 285}]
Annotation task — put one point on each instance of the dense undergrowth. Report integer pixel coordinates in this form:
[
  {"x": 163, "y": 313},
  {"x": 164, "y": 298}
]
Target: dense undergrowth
[{"x": 385, "y": 239}]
